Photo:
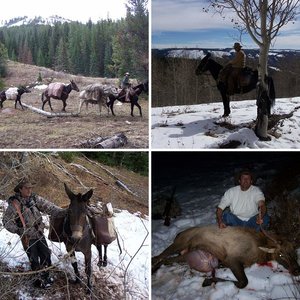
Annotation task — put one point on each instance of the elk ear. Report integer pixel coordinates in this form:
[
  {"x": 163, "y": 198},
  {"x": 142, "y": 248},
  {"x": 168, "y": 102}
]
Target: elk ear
[{"x": 268, "y": 250}]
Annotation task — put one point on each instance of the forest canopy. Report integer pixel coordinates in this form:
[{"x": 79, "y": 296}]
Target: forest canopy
[{"x": 108, "y": 48}]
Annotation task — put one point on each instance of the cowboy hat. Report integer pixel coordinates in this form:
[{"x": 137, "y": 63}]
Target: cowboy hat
[
  {"x": 24, "y": 182},
  {"x": 237, "y": 45}
]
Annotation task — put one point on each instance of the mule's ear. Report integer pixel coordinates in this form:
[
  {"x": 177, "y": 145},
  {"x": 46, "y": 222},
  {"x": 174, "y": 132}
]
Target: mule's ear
[
  {"x": 69, "y": 192},
  {"x": 268, "y": 250},
  {"x": 87, "y": 195},
  {"x": 208, "y": 55}
]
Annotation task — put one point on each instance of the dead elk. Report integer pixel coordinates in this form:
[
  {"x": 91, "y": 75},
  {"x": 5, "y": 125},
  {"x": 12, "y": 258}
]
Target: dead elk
[
  {"x": 235, "y": 247},
  {"x": 60, "y": 91}
]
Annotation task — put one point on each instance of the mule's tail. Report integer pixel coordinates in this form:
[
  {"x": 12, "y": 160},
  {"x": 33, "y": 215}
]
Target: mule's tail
[{"x": 42, "y": 98}]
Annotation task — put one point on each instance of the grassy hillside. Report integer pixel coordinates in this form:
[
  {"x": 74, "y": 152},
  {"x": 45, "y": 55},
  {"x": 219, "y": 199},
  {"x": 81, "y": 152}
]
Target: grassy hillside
[{"x": 29, "y": 130}]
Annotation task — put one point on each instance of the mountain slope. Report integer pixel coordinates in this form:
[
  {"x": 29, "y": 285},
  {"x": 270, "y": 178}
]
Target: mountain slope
[{"x": 38, "y": 20}]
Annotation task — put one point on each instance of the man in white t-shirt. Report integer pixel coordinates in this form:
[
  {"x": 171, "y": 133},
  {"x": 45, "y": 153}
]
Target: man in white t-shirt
[{"x": 246, "y": 203}]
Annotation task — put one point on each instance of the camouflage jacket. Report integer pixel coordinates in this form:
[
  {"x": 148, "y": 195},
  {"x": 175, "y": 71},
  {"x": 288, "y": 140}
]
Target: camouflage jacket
[{"x": 31, "y": 209}]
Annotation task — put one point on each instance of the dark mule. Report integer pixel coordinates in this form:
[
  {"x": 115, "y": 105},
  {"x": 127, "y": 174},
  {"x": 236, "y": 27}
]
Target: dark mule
[
  {"x": 62, "y": 95},
  {"x": 13, "y": 93},
  {"x": 105, "y": 233},
  {"x": 247, "y": 80},
  {"x": 133, "y": 97},
  {"x": 76, "y": 234}
]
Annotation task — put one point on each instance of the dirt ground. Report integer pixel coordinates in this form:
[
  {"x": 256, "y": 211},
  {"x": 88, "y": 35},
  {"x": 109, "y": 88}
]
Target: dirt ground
[{"x": 24, "y": 129}]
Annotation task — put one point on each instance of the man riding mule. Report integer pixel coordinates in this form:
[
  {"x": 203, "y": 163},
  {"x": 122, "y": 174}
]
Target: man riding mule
[{"x": 233, "y": 74}]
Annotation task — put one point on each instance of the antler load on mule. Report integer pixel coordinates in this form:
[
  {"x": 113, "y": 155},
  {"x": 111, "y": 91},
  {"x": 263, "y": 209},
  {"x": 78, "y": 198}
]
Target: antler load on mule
[
  {"x": 241, "y": 84},
  {"x": 79, "y": 229},
  {"x": 235, "y": 247},
  {"x": 96, "y": 94},
  {"x": 13, "y": 93},
  {"x": 60, "y": 91}
]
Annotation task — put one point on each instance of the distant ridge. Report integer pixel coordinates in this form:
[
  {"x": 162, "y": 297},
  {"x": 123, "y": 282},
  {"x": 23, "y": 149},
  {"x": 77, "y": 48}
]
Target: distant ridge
[{"x": 25, "y": 20}]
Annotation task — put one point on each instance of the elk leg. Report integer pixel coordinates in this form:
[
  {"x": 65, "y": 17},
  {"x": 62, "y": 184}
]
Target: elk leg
[
  {"x": 238, "y": 271},
  {"x": 159, "y": 260}
]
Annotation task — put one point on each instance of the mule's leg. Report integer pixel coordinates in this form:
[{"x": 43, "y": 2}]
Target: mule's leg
[
  {"x": 49, "y": 102},
  {"x": 64, "y": 105},
  {"x": 18, "y": 99},
  {"x": 80, "y": 105},
  {"x": 132, "y": 106},
  {"x": 105, "y": 256},
  {"x": 100, "y": 261},
  {"x": 88, "y": 269},
  {"x": 139, "y": 107},
  {"x": 226, "y": 100},
  {"x": 99, "y": 105},
  {"x": 75, "y": 266},
  {"x": 111, "y": 106}
]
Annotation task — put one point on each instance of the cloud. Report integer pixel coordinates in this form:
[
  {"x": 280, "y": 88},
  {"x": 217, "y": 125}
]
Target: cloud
[
  {"x": 171, "y": 17},
  {"x": 183, "y": 15}
]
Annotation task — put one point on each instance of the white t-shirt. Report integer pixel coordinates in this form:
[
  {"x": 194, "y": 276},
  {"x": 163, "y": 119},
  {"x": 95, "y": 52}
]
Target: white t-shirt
[{"x": 243, "y": 204}]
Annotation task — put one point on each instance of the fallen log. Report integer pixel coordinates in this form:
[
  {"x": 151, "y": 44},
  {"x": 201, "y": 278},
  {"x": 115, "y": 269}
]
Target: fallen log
[
  {"x": 49, "y": 114},
  {"x": 116, "y": 141}
]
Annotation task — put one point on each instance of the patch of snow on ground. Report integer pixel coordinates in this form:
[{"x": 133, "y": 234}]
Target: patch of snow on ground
[{"x": 198, "y": 126}]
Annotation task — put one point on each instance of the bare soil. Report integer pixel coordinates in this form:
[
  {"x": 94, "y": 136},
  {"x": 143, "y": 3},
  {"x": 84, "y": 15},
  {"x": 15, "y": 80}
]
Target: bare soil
[{"x": 24, "y": 129}]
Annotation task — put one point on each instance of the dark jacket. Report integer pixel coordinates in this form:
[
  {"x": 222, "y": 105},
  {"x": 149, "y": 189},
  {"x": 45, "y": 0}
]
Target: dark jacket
[{"x": 31, "y": 209}]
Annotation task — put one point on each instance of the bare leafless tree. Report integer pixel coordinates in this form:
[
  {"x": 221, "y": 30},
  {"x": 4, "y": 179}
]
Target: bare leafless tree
[{"x": 263, "y": 20}]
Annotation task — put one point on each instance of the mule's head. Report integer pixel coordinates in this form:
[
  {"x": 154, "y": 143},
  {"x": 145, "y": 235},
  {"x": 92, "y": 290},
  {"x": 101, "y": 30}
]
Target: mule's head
[
  {"x": 23, "y": 89},
  {"x": 203, "y": 64},
  {"x": 284, "y": 253},
  {"x": 74, "y": 86},
  {"x": 77, "y": 211},
  {"x": 146, "y": 87}
]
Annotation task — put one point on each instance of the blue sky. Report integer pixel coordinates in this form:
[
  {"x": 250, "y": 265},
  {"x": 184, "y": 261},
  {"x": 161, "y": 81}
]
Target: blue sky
[{"x": 182, "y": 23}]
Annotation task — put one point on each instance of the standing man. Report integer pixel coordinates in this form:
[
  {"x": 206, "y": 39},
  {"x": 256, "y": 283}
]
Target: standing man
[
  {"x": 23, "y": 217},
  {"x": 246, "y": 203}
]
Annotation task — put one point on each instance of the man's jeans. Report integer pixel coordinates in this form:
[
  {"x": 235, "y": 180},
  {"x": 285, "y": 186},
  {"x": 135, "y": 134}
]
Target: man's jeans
[{"x": 232, "y": 220}]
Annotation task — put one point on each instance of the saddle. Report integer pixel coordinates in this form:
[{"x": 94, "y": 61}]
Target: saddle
[
  {"x": 244, "y": 77},
  {"x": 103, "y": 229},
  {"x": 55, "y": 89}
]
